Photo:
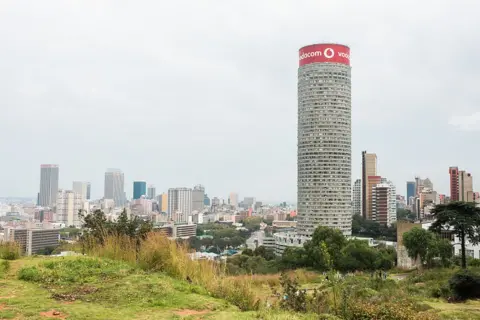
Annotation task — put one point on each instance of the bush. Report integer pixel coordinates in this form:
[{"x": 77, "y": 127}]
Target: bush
[
  {"x": 387, "y": 311},
  {"x": 9, "y": 250},
  {"x": 465, "y": 285}
]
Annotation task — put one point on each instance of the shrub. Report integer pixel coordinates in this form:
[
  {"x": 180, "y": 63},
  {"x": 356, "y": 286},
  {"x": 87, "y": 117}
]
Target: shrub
[
  {"x": 465, "y": 285},
  {"x": 31, "y": 274},
  {"x": 387, "y": 311},
  {"x": 9, "y": 250}
]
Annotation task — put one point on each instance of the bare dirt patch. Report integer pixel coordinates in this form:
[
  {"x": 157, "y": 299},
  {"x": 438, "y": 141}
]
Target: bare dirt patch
[
  {"x": 3, "y": 306},
  {"x": 187, "y": 312},
  {"x": 53, "y": 314},
  {"x": 7, "y": 297}
]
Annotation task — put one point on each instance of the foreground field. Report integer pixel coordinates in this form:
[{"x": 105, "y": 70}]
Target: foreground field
[
  {"x": 91, "y": 288},
  {"x": 98, "y": 288}
]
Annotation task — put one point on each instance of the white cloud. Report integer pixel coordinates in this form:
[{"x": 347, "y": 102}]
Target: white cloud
[{"x": 466, "y": 123}]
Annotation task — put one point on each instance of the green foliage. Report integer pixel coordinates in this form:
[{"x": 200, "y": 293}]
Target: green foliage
[
  {"x": 324, "y": 250},
  {"x": 292, "y": 297},
  {"x": 9, "y": 250},
  {"x": 418, "y": 243},
  {"x": 357, "y": 255},
  {"x": 462, "y": 218},
  {"x": 465, "y": 285},
  {"x": 367, "y": 228},
  {"x": 247, "y": 252},
  {"x": 267, "y": 254},
  {"x": 294, "y": 257},
  {"x": 245, "y": 264},
  {"x": 406, "y": 215},
  {"x": 79, "y": 271},
  {"x": 99, "y": 228}
]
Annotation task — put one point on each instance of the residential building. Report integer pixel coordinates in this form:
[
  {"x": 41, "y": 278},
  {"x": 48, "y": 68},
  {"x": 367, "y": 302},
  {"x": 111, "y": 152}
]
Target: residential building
[
  {"x": 198, "y": 196},
  {"x": 454, "y": 191},
  {"x": 465, "y": 186},
  {"x": 179, "y": 204},
  {"x": 139, "y": 189},
  {"x": 369, "y": 169},
  {"x": 48, "y": 185},
  {"x": 372, "y": 182},
  {"x": 81, "y": 188},
  {"x": 69, "y": 204},
  {"x": 383, "y": 209},
  {"x": 184, "y": 231},
  {"x": 151, "y": 192},
  {"x": 114, "y": 187},
  {"x": 357, "y": 197}
]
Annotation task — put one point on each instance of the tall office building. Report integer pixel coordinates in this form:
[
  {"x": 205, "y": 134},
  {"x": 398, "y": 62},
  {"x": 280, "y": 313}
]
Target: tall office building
[
  {"x": 164, "y": 207},
  {"x": 89, "y": 189},
  {"x": 139, "y": 189},
  {"x": 357, "y": 197},
  {"x": 465, "y": 186},
  {"x": 369, "y": 169},
  {"x": 454, "y": 194},
  {"x": 48, "y": 185},
  {"x": 324, "y": 139},
  {"x": 410, "y": 191},
  {"x": 114, "y": 187},
  {"x": 198, "y": 195},
  {"x": 179, "y": 204},
  {"x": 81, "y": 188},
  {"x": 151, "y": 192},
  {"x": 233, "y": 199}
]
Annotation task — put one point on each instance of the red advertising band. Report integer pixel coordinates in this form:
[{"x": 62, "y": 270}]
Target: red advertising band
[{"x": 324, "y": 53}]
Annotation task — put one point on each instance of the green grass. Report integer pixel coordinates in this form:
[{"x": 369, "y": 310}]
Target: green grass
[{"x": 107, "y": 289}]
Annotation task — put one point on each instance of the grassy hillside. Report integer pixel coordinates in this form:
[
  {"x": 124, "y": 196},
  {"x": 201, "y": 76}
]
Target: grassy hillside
[{"x": 98, "y": 288}]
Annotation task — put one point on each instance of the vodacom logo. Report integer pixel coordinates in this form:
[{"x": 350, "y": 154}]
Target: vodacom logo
[{"x": 328, "y": 53}]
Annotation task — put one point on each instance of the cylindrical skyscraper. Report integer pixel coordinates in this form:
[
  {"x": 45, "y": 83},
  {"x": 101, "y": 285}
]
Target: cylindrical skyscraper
[{"x": 324, "y": 138}]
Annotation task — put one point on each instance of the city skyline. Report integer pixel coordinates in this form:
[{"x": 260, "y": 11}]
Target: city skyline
[{"x": 241, "y": 96}]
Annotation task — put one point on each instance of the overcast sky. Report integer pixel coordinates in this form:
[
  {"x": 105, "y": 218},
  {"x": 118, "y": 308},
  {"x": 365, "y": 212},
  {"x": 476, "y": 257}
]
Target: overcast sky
[{"x": 180, "y": 93}]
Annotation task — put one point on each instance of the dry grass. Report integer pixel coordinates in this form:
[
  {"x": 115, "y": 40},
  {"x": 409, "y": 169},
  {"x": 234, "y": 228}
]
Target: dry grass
[
  {"x": 158, "y": 253},
  {"x": 10, "y": 250}
]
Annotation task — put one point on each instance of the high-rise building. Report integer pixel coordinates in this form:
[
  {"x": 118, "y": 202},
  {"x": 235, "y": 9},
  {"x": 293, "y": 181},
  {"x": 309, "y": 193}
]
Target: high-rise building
[
  {"x": 198, "y": 195},
  {"x": 465, "y": 186},
  {"x": 139, "y": 189},
  {"x": 114, "y": 187},
  {"x": 369, "y": 169},
  {"x": 372, "y": 182},
  {"x": 454, "y": 192},
  {"x": 89, "y": 189},
  {"x": 427, "y": 183},
  {"x": 151, "y": 192},
  {"x": 324, "y": 139},
  {"x": 179, "y": 204},
  {"x": 164, "y": 202},
  {"x": 410, "y": 190},
  {"x": 233, "y": 199},
  {"x": 384, "y": 210},
  {"x": 81, "y": 188},
  {"x": 68, "y": 205},
  {"x": 48, "y": 185},
  {"x": 392, "y": 200},
  {"x": 357, "y": 197}
]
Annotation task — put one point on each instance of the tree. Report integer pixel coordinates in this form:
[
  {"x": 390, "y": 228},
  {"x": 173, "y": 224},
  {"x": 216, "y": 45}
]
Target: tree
[
  {"x": 294, "y": 257},
  {"x": 417, "y": 242},
  {"x": 461, "y": 218},
  {"x": 445, "y": 251},
  {"x": 325, "y": 240},
  {"x": 357, "y": 255}
]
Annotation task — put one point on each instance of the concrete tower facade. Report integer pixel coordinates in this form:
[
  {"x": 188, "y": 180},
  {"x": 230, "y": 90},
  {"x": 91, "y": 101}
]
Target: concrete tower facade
[
  {"x": 324, "y": 138},
  {"x": 48, "y": 185}
]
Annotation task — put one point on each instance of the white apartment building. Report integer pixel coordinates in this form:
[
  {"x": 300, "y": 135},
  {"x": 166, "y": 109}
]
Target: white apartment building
[
  {"x": 179, "y": 204},
  {"x": 357, "y": 197},
  {"x": 69, "y": 204}
]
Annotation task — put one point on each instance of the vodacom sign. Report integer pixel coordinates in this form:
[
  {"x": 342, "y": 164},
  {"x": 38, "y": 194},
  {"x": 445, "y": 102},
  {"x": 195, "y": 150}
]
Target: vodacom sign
[{"x": 333, "y": 53}]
